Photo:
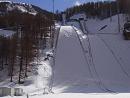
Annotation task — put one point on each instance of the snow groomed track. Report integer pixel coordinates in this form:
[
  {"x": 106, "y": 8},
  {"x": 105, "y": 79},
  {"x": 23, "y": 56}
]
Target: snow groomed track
[
  {"x": 86, "y": 65},
  {"x": 70, "y": 66}
]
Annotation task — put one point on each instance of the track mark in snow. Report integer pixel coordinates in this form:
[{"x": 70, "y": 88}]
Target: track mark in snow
[
  {"x": 116, "y": 58},
  {"x": 71, "y": 68},
  {"x": 90, "y": 61},
  {"x": 108, "y": 67}
]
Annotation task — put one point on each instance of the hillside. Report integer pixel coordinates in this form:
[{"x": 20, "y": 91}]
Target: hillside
[
  {"x": 22, "y": 35},
  {"x": 12, "y": 14},
  {"x": 9, "y": 6}
]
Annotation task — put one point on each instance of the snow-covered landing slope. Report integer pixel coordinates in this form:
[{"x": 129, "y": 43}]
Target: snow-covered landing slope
[
  {"x": 70, "y": 68},
  {"x": 111, "y": 61},
  {"x": 104, "y": 26},
  {"x": 72, "y": 73}
]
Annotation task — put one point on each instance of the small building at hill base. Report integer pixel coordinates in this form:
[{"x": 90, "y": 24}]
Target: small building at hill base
[
  {"x": 5, "y": 91},
  {"x": 79, "y": 16}
]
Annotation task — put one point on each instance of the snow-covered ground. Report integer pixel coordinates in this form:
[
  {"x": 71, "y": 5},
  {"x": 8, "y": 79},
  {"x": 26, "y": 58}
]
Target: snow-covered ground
[
  {"x": 38, "y": 80},
  {"x": 70, "y": 67},
  {"x": 93, "y": 65},
  {"x": 111, "y": 27},
  {"x": 107, "y": 53},
  {"x": 77, "y": 95},
  {"x": 6, "y": 33}
]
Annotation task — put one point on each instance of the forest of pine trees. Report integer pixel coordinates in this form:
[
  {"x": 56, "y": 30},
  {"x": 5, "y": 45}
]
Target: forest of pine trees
[
  {"x": 100, "y": 9},
  {"x": 20, "y": 49}
]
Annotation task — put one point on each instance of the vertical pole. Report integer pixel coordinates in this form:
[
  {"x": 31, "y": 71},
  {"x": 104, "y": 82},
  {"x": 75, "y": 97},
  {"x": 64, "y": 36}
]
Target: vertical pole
[
  {"x": 20, "y": 47},
  {"x": 110, "y": 11},
  {"x": 101, "y": 8},
  {"x": 128, "y": 7},
  {"x": 53, "y": 6},
  {"x": 118, "y": 12},
  {"x": 27, "y": 96},
  {"x": 53, "y": 29}
]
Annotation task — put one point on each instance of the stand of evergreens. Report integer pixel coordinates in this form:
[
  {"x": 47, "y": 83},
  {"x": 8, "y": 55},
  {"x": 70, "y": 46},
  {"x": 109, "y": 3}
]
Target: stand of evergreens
[
  {"x": 20, "y": 49},
  {"x": 100, "y": 9}
]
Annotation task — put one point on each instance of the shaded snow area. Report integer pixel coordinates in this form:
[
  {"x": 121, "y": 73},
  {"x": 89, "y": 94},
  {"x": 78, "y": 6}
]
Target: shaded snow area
[
  {"x": 23, "y": 9},
  {"x": 39, "y": 80},
  {"x": 106, "y": 26},
  {"x": 102, "y": 26},
  {"x": 6, "y": 33}
]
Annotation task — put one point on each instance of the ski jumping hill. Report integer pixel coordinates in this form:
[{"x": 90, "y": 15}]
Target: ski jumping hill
[{"x": 95, "y": 61}]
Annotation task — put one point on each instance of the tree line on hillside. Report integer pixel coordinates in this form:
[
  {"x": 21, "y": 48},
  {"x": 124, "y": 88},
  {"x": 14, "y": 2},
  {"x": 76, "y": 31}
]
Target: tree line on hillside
[
  {"x": 124, "y": 6},
  {"x": 100, "y": 9},
  {"x": 22, "y": 48}
]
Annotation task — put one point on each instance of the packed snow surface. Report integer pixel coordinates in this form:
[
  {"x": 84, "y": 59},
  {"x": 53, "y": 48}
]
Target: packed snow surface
[{"x": 77, "y": 95}]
